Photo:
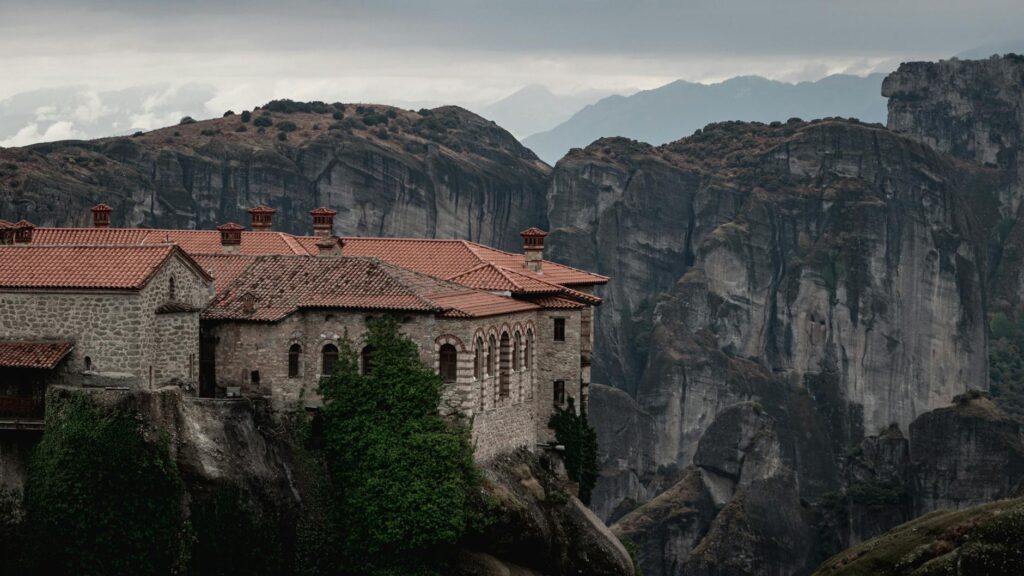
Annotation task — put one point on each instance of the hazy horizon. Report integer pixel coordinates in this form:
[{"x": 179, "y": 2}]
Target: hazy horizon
[{"x": 92, "y": 58}]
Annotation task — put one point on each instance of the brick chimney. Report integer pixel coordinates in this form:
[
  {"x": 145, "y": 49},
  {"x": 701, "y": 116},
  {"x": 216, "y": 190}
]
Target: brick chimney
[
  {"x": 330, "y": 246},
  {"x": 323, "y": 221},
  {"x": 101, "y": 215},
  {"x": 23, "y": 232},
  {"x": 533, "y": 248},
  {"x": 231, "y": 237},
  {"x": 261, "y": 218}
]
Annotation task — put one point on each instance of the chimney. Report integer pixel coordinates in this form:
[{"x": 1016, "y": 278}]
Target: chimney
[
  {"x": 323, "y": 221},
  {"x": 101, "y": 215},
  {"x": 261, "y": 218},
  {"x": 330, "y": 246},
  {"x": 533, "y": 248},
  {"x": 231, "y": 237},
  {"x": 23, "y": 232}
]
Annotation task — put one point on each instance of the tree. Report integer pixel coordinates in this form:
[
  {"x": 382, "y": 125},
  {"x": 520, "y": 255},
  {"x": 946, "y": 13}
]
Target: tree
[
  {"x": 246, "y": 116},
  {"x": 100, "y": 498},
  {"x": 573, "y": 431},
  {"x": 263, "y": 121},
  {"x": 402, "y": 476}
]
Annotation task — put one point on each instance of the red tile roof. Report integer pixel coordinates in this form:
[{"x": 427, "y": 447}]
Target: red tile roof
[
  {"x": 442, "y": 258},
  {"x": 262, "y": 209},
  {"x": 27, "y": 266},
  {"x": 224, "y": 268},
  {"x": 281, "y": 285},
  {"x": 6, "y": 224},
  {"x": 42, "y": 355}
]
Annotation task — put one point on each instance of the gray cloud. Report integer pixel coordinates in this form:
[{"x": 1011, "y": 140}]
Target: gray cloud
[{"x": 469, "y": 52}]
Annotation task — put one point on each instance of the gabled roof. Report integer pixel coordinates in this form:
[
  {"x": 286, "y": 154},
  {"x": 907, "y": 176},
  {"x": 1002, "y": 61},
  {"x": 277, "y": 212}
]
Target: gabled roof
[
  {"x": 32, "y": 266},
  {"x": 277, "y": 286},
  {"x": 38, "y": 355},
  {"x": 476, "y": 265}
]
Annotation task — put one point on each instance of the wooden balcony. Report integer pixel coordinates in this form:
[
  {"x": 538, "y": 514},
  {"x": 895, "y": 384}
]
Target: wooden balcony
[{"x": 21, "y": 413}]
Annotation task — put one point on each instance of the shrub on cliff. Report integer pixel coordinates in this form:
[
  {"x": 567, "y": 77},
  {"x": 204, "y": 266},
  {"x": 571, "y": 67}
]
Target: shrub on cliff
[
  {"x": 573, "y": 431},
  {"x": 263, "y": 121},
  {"x": 100, "y": 498},
  {"x": 402, "y": 476},
  {"x": 246, "y": 115},
  {"x": 233, "y": 535}
]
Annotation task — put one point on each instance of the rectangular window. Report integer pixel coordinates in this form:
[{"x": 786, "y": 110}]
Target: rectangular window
[
  {"x": 559, "y": 392},
  {"x": 254, "y": 377},
  {"x": 559, "y": 329}
]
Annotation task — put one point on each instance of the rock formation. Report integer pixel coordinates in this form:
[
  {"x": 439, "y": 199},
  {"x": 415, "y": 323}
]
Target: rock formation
[{"x": 438, "y": 173}]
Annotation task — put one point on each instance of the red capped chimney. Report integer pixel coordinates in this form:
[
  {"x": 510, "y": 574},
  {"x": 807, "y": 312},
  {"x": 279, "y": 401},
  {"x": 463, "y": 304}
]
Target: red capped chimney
[
  {"x": 533, "y": 248},
  {"x": 231, "y": 237},
  {"x": 23, "y": 232},
  {"x": 330, "y": 246},
  {"x": 261, "y": 218},
  {"x": 101, "y": 215},
  {"x": 323, "y": 221}
]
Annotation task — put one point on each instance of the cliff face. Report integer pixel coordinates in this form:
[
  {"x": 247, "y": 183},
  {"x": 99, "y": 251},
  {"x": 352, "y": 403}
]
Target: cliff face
[
  {"x": 830, "y": 256},
  {"x": 832, "y": 272},
  {"x": 442, "y": 173},
  {"x": 974, "y": 111}
]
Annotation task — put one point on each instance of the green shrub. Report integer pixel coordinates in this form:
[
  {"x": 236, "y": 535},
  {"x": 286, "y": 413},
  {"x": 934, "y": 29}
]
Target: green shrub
[
  {"x": 574, "y": 432},
  {"x": 373, "y": 118},
  {"x": 282, "y": 136},
  {"x": 263, "y": 121},
  {"x": 233, "y": 535},
  {"x": 229, "y": 113},
  {"x": 402, "y": 476},
  {"x": 634, "y": 552},
  {"x": 137, "y": 134},
  {"x": 338, "y": 115},
  {"x": 241, "y": 128},
  {"x": 100, "y": 498},
  {"x": 186, "y": 120},
  {"x": 208, "y": 132},
  {"x": 286, "y": 126},
  {"x": 246, "y": 116}
]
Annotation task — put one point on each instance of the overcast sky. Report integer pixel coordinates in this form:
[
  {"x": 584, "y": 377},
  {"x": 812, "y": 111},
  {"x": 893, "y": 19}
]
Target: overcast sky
[{"x": 468, "y": 51}]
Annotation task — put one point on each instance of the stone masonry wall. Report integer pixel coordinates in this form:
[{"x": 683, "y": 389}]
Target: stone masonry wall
[
  {"x": 117, "y": 330},
  {"x": 500, "y": 423}
]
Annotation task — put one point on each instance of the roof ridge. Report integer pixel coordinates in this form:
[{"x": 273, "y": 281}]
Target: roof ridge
[
  {"x": 294, "y": 244},
  {"x": 384, "y": 266}
]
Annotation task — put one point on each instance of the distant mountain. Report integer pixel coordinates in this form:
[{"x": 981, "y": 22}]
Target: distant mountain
[
  {"x": 675, "y": 110},
  {"x": 535, "y": 108}
]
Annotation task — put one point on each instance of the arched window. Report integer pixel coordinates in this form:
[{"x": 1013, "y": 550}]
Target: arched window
[
  {"x": 478, "y": 359},
  {"x": 367, "y": 357},
  {"x": 491, "y": 359},
  {"x": 506, "y": 361},
  {"x": 88, "y": 363},
  {"x": 170, "y": 288},
  {"x": 330, "y": 358},
  {"x": 294, "y": 357},
  {"x": 528, "y": 351},
  {"x": 515, "y": 352},
  {"x": 448, "y": 363}
]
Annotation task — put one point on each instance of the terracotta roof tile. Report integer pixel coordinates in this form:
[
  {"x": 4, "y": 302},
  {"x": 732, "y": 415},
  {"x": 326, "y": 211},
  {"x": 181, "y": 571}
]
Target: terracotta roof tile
[
  {"x": 281, "y": 285},
  {"x": 224, "y": 268},
  {"x": 82, "y": 267},
  {"x": 41, "y": 355},
  {"x": 557, "y": 303},
  {"x": 191, "y": 241}
]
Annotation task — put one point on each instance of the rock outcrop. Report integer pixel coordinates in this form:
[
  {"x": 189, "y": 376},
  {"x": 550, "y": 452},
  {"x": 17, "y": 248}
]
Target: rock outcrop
[{"x": 389, "y": 172}]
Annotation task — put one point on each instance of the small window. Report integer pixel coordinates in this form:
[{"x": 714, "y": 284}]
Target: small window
[
  {"x": 528, "y": 351},
  {"x": 448, "y": 363},
  {"x": 170, "y": 289},
  {"x": 254, "y": 377},
  {"x": 559, "y": 392},
  {"x": 294, "y": 356},
  {"x": 330, "y": 359},
  {"x": 559, "y": 329},
  {"x": 491, "y": 359},
  {"x": 367, "y": 357},
  {"x": 88, "y": 363},
  {"x": 478, "y": 359},
  {"x": 503, "y": 372}
]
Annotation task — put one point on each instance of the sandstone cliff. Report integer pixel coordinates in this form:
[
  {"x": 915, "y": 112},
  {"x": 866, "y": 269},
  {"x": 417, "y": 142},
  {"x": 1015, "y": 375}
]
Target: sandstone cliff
[{"x": 437, "y": 173}]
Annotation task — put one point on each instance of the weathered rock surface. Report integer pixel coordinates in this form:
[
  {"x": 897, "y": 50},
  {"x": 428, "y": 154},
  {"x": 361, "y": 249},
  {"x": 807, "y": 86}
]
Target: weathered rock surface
[
  {"x": 448, "y": 174},
  {"x": 543, "y": 529},
  {"x": 736, "y": 510}
]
